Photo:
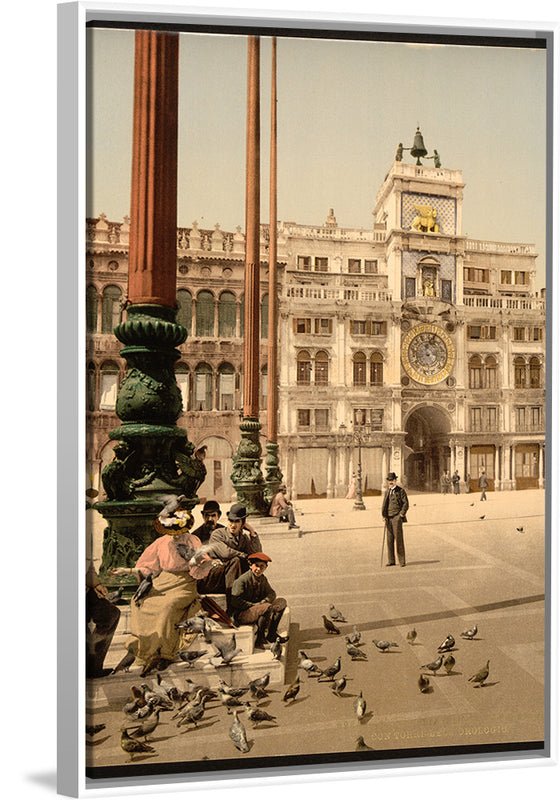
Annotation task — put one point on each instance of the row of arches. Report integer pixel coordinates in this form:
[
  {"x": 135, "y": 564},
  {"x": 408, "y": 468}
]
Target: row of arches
[
  {"x": 204, "y": 388},
  {"x": 365, "y": 371},
  {"x": 205, "y": 314},
  {"x": 483, "y": 373}
]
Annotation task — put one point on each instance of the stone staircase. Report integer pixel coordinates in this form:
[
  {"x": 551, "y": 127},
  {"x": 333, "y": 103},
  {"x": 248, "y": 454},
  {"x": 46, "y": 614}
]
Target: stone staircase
[{"x": 246, "y": 666}]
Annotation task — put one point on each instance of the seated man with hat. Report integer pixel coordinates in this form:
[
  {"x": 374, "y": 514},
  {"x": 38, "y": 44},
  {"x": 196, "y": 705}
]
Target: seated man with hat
[
  {"x": 230, "y": 546},
  {"x": 224, "y": 572},
  {"x": 253, "y": 600},
  {"x": 282, "y": 508}
]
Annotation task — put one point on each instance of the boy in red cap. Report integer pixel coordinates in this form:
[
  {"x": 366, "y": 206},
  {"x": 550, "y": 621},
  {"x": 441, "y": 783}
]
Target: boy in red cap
[{"x": 254, "y": 600}]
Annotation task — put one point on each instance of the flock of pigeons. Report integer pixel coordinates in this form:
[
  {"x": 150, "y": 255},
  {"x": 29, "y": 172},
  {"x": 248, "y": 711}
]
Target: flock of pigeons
[{"x": 187, "y": 707}]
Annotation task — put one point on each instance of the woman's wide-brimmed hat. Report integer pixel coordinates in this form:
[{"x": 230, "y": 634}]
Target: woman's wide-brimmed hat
[{"x": 174, "y": 525}]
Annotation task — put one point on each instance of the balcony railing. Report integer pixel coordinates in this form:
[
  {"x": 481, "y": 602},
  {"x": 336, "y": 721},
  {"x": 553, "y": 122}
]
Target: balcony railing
[
  {"x": 507, "y": 303},
  {"x": 324, "y": 293},
  {"x": 511, "y": 248}
]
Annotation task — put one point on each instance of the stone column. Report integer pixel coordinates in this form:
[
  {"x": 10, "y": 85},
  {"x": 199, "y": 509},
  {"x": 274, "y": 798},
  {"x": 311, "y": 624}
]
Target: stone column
[
  {"x": 152, "y": 455},
  {"x": 246, "y": 475}
]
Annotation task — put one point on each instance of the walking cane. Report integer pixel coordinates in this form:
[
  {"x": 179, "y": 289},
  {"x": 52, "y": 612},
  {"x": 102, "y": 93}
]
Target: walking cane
[{"x": 383, "y": 543}]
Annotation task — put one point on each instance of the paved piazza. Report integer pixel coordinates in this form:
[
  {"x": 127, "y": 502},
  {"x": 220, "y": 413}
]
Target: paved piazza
[{"x": 461, "y": 570}]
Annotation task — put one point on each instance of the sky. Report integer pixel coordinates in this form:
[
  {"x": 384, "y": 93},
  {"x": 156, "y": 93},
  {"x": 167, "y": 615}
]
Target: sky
[{"x": 343, "y": 107}]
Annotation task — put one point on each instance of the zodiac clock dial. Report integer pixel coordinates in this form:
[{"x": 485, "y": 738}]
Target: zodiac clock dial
[{"x": 427, "y": 353}]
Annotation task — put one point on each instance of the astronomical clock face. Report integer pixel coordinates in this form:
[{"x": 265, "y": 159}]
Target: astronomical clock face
[{"x": 427, "y": 354}]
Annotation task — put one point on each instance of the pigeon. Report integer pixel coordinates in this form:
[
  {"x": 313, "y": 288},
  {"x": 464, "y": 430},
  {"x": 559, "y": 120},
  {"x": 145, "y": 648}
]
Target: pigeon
[
  {"x": 360, "y": 706},
  {"x": 156, "y": 698},
  {"x": 339, "y": 685},
  {"x": 383, "y": 645},
  {"x": 276, "y": 649},
  {"x": 225, "y": 647},
  {"x": 355, "y": 652},
  {"x": 330, "y": 627},
  {"x": 292, "y": 691},
  {"x": 257, "y": 715},
  {"x": 144, "y": 588},
  {"x": 520, "y": 529},
  {"x": 233, "y": 691},
  {"x": 165, "y": 686},
  {"x": 198, "y": 700},
  {"x": 470, "y": 633},
  {"x": 423, "y": 683},
  {"x": 222, "y": 661},
  {"x": 185, "y": 550},
  {"x": 125, "y": 663},
  {"x": 238, "y": 735},
  {"x": 483, "y": 516},
  {"x": 308, "y": 665},
  {"x": 152, "y": 663},
  {"x": 361, "y": 745},
  {"x": 91, "y": 730},
  {"x": 447, "y": 644},
  {"x": 331, "y": 671},
  {"x": 283, "y": 637},
  {"x": 354, "y": 637},
  {"x": 434, "y": 665},
  {"x": 112, "y": 597},
  {"x": 472, "y": 504},
  {"x": 190, "y": 656},
  {"x": 147, "y": 726},
  {"x": 335, "y": 614},
  {"x": 195, "y": 624},
  {"x": 260, "y": 683},
  {"x": 480, "y": 676},
  {"x": 130, "y": 745},
  {"x": 411, "y": 636},
  {"x": 258, "y": 692},
  {"x": 171, "y": 503},
  {"x": 229, "y": 701},
  {"x": 193, "y": 714},
  {"x": 449, "y": 663}
]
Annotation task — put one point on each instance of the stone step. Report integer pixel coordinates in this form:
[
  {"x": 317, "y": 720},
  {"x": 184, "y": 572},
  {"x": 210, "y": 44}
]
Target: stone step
[{"x": 269, "y": 527}]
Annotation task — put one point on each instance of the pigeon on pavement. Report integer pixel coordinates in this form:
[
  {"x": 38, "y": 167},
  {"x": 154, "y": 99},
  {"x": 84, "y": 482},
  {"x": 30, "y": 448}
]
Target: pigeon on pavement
[
  {"x": 433, "y": 666},
  {"x": 470, "y": 633},
  {"x": 308, "y": 665},
  {"x": 355, "y": 652},
  {"x": 331, "y": 671},
  {"x": 335, "y": 614},
  {"x": 360, "y": 706},
  {"x": 292, "y": 691},
  {"x": 355, "y": 637},
  {"x": 447, "y": 644},
  {"x": 480, "y": 676},
  {"x": 238, "y": 735},
  {"x": 257, "y": 715},
  {"x": 423, "y": 683},
  {"x": 339, "y": 685},
  {"x": 411, "y": 636},
  {"x": 125, "y": 663},
  {"x": 190, "y": 656},
  {"x": 147, "y": 726},
  {"x": 330, "y": 627},
  {"x": 130, "y": 745},
  {"x": 112, "y": 597},
  {"x": 232, "y": 690},
  {"x": 383, "y": 645},
  {"x": 449, "y": 663}
]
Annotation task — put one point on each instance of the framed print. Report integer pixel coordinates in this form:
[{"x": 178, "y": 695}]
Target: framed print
[{"x": 313, "y": 335}]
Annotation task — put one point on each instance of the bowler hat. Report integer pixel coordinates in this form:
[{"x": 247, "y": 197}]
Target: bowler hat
[
  {"x": 237, "y": 512},
  {"x": 210, "y": 506},
  {"x": 259, "y": 557},
  {"x": 391, "y": 476}
]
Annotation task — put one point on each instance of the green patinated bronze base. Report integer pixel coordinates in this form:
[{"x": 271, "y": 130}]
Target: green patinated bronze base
[
  {"x": 274, "y": 477},
  {"x": 129, "y": 531},
  {"x": 246, "y": 475}
]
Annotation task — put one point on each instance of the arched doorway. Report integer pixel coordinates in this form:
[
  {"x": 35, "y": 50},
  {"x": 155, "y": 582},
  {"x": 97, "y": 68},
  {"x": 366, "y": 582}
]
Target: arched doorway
[{"x": 427, "y": 452}]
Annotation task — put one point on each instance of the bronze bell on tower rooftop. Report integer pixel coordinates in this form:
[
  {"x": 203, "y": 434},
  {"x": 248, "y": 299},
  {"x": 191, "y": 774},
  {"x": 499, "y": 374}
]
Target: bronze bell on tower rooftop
[{"x": 418, "y": 149}]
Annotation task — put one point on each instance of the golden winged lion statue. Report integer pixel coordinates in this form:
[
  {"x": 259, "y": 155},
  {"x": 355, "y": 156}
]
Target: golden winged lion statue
[{"x": 425, "y": 220}]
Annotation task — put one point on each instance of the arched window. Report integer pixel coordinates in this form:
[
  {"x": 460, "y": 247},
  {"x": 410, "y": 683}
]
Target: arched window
[
  {"x": 226, "y": 315},
  {"x": 226, "y": 386},
  {"x": 182, "y": 375},
  {"x": 184, "y": 310},
  {"x": 264, "y": 388},
  {"x": 376, "y": 369},
  {"x": 91, "y": 309},
  {"x": 203, "y": 388},
  {"x": 475, "y": 372},
  {"x": 109, "y": 386},
  {"x": 303, "y": 368},
  {"x": 111, "y": 309},
  {"x": 534, "y": 373},
  {"x": 321, "y": 368},
  {"x": 491, "y": 372},
  {"x": 519, "y": 373},
  {"x": 359, "y": 369},
  {"x": 90, "y": 388},
  {"x": 264, "y": 317},
  {"x": 205, "y": 314}
]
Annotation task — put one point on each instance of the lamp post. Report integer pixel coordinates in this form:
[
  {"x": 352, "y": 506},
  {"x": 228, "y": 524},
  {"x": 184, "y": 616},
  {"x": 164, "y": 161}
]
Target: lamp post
[{"x": 360, "y": 434}]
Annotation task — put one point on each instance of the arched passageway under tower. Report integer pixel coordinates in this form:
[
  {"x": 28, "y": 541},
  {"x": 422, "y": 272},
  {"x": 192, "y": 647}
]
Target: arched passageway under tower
[{"x": 427, "y": 451}]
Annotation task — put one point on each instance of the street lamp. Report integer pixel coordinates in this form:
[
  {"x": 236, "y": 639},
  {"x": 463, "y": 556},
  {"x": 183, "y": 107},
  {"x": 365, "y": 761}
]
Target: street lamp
[{"x": 360, "y": 432}]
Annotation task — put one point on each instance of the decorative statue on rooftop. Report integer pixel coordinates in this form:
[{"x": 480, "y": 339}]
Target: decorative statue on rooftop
[{"x": 437, "y": 160}]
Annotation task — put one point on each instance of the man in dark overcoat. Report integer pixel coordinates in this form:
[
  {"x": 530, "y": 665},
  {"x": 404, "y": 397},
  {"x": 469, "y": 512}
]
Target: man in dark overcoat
[{"x": 393, "y": 510}]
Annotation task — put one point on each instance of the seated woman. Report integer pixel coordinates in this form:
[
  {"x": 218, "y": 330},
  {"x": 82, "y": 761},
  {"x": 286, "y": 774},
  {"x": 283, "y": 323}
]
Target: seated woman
[{"x": 173, "y": 596}]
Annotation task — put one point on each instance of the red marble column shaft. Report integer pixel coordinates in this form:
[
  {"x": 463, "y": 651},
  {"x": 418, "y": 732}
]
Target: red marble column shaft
[
  {"x": 272, "y": 411},
  {"x": 152, "y": 272},
  {"x": 252, "y": 230}
]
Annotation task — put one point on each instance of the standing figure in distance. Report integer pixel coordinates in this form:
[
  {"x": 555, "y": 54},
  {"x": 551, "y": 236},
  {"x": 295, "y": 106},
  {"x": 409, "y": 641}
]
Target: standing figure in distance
[
  {"x": 282, "y": 508},
  {"x": 483, "y": 485},
  {"x": 393, "y": 510},
  {"x": 456, "y": 481}
]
